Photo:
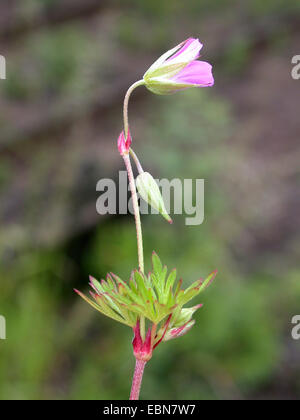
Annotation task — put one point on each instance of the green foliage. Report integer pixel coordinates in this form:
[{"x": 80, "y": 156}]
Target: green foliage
[{"x": 154, "y": 297}]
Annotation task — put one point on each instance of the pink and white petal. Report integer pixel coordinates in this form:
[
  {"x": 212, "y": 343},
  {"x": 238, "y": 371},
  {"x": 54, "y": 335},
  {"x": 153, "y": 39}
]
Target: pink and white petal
[
  {"x": 195, "y": 73},
  {"x": 188, "y": 52},
  {"x": 183, "y": 46},
  {"x": 162, "y": 59}
]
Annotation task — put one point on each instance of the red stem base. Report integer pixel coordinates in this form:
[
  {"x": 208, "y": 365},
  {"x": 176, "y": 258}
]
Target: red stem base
[{"x": 137, "y": 379}]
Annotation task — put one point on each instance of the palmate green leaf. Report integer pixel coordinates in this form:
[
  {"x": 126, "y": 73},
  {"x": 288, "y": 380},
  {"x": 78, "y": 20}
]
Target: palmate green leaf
[
  {"x": 109, "y": 313},
  {"x": 171, "y": 299},
  {"x": 170, "y": 281},
  {"x": 136, "y": 308},
  {"x": 155, "y": 297},
  {"x": 152, "y": 294},
  {"x": 196, "y": 283},
  {"x": 88, "y": 300},
  {"x": 157, "y": 284},
  {"x": 178, "y": 288},
  {"x": 167, "y": 294},
  {"x": 115, "y": 305},
  {"x": 132, "y": 284},
  {"x": 145, "y": 311},
  {"x": 136, "y": 297},
  {"x": 161, "y": 311},
  {"x": 96, "y": 285},
  {"x": 184, "y": 297},
  {"x": 156, "y": 264},
  {"x": 140, "y": 282},
  {"x": 132, "y": 298},
  {"x": 110, "y": 282},
  {"x": 119, "y": 281},
  {"x": 158, "y": 277},
  {"x": 150, "y": 310},
  {"x": 112, "y": 311},
  {"x": 132, "y": 317},
  {"x": 208, "y": 280},
  {"x": 162, "y": 278}
]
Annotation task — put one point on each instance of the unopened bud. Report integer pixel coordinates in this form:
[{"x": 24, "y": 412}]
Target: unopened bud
[
  {"x": 149, "y": 191},
  {"x": 185, "y": 315},
  {"x": 124, "y": 144},
  {"x": 177, "y": 332}
]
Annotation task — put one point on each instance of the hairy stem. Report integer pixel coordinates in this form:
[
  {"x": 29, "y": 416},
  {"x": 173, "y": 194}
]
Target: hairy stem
[
  {"x": 139, "y": 367},
  {"x": 137, "y": 379},
  {"x": 125, "y": 106},
  {"x": 136, "y": 161},
  {"x": 131, "y": 179},
  {"x": 136, "y": 212}
]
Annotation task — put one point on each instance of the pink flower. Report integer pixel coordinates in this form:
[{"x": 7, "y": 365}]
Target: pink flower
[
  {"x": 177, "y": 69},
  {"x": 124, "y": 145}
]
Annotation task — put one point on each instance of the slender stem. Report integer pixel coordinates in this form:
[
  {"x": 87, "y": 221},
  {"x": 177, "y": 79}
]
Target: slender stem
[
  {"x": 140, "y": 364},
  {"x": 131, "y": 180},
  {"x": 125, "y": 106},
  {"x": 137, "y": 379},
  {"x": 136, "y": 161},
  {"x": 136, "y": 212}
]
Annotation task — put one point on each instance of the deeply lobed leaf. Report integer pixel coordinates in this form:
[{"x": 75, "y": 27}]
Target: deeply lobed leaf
[{"x": 156, "y": 297}]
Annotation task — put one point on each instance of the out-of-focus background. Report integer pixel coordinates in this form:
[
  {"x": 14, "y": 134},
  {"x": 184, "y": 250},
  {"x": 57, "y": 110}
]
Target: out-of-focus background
[{"x": 69, "y": 63}]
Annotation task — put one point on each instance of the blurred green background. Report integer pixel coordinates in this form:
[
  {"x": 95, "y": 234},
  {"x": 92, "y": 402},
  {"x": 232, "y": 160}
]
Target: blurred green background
[{"x": 69, "y": 64}]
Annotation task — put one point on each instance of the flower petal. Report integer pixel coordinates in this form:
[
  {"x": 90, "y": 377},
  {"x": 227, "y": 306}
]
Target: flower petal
[
  {"x": 188, "y": 52},
  {"x": 195, "y": 73},
  {"x": 162, "y": 59}
]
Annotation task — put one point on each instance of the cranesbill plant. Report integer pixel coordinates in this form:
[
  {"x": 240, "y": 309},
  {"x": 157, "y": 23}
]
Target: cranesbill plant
[{"x": 152, "y": 304}]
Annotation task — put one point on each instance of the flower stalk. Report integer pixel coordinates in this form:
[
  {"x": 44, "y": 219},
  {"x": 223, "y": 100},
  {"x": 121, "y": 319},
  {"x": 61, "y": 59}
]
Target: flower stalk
[
  {"x": 136, "y": 161},
  {"x": 128, "y": 166},
  {"x": 125, "y": 105},
  {"x": 140, "y": 364},
  {"x": 136, "y": 210}
]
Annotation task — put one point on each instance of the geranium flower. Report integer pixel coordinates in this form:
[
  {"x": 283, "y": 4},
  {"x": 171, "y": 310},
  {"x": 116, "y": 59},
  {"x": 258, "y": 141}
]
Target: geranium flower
[{"x": 177, "y": 69}]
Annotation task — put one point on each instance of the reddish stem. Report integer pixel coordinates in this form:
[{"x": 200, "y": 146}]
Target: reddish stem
[
  {"x": 164, "y": 333},
  {"x": 137, "y": 379}
]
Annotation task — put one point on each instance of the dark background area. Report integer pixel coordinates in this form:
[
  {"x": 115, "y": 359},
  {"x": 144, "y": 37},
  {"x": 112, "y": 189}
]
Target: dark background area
[{"x": 69, "y": 64}]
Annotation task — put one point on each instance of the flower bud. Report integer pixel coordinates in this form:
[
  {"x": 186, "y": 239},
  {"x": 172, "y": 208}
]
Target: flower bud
[
  {"x": 124, "y": 144},
  {"x": 177, "y": 332},
  {"x": 185, "y": 315},
  {"x": 149, "y": 191}
]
